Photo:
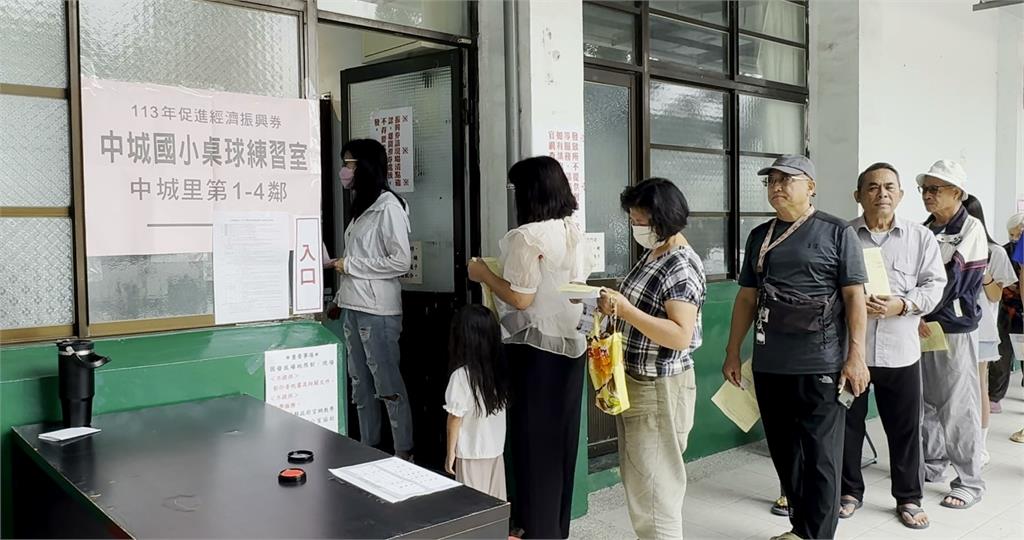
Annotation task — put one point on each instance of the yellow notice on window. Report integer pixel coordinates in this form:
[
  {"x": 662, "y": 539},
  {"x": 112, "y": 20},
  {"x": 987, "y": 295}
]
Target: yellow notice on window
[
  {"x": 936, "y": 341},
  {"x": 739, "y": 404},
  {"x": 878, "y": 279},
  {"x": 488, "y": 296}
]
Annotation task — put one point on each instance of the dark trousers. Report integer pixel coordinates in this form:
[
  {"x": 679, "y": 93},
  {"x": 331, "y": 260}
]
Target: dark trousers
[
  {"x": 898, "y": 395},
  {"x": 803, "y": 423},
  {"x": 543, "y": 432},
  {"x": 999, "y": 371}
]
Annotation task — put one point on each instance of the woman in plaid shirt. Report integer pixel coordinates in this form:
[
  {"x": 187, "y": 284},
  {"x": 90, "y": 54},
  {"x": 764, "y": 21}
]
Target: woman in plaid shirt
[{"x": 659, "y": 306}]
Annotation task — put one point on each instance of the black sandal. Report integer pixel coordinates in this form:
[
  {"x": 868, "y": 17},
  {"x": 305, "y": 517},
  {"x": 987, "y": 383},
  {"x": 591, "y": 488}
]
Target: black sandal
[
  {"x": 907, "y": 513},
  {"x": 849, "y": 500}
]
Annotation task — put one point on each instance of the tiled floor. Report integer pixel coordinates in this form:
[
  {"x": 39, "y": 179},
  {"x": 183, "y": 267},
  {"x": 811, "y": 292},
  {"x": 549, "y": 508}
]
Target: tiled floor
[{"x": 729, "y": 495}]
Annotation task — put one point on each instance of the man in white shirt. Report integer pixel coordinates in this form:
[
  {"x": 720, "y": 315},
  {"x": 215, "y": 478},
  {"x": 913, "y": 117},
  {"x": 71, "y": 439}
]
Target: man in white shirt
[{"x": 916, "y": 277}]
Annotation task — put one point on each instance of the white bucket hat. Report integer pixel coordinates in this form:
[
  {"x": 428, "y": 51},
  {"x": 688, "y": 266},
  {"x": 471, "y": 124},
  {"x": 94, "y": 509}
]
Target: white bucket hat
[{"x": 948, "y": 171}]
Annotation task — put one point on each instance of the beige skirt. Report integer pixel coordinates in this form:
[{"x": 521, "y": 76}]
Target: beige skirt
[{"x": 485, "y": 475}]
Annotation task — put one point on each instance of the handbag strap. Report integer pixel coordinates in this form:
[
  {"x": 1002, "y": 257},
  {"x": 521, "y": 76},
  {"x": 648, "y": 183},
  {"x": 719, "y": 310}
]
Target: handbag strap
[{"x": 767, "y": 245}]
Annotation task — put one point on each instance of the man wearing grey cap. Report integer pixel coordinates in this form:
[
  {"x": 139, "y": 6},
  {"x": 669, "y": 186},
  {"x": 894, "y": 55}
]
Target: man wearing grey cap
[{"x": 802, "y": 287}]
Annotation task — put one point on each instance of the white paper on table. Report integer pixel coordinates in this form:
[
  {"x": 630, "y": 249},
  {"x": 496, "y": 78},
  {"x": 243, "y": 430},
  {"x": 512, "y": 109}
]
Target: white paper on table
[
  {"x": 250, "y": 266},
  {"x": 66, "y": 434},
  {"x": 304, "y": 382},
  {"x": 393, "y": 479}
]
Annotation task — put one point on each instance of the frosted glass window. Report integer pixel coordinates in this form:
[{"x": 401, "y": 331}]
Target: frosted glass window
[
  {"x": 771, "y": 126},
  {"x": 688, "y": 116},
  {"x": 688, "y": 45},
  {"x": 753, "y": 194},
  {"x": 196, "y": 44},
  {"x": 192, "y": 43},
  {"x": 36, "y": 276},
  {"x": 708, "y": 236},
  {"x": 33, "y": 42},
  {"x": 608, "y": 34},
  {"x": 429, "y": 93},
  {"x": 34, "y": 152},
  {"x": 712, "y": 11},
  {"x": 777, "y": 18},
  {"x": 701, "y": 177},
  {"x": 606, "y": 160},
  {"x": 448, "y": 16},
  {"x": 763, "y": 59}
]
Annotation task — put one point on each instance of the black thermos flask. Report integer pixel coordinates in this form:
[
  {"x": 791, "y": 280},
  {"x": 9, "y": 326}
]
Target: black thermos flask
[{"x": 76, "y": 380}]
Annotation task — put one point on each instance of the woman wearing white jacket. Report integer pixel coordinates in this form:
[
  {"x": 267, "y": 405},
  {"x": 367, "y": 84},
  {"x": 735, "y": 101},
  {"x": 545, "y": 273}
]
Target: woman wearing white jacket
[{"x": 377, "y": 253}]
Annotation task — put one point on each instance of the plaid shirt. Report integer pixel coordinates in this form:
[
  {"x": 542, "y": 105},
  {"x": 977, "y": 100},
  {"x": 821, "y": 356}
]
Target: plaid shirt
[{"x": 676, "y": 275}]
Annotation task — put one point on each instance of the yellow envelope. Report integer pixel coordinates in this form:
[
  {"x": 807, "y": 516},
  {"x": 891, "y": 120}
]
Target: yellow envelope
[
  {"x": 878, "y": 279},
  {"x": 936, "y": 341},
  {"x": 580, "y": 291},
  {"x": 739, "y": 404},
  {"x": 488, "y": 296}
]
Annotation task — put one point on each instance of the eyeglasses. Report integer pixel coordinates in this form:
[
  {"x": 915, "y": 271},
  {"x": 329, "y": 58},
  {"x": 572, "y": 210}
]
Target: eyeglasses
[
  {"x": 784, "y": 181},
  {"x": 350, "y": 163},
  {"x": 934, "y": 190}
]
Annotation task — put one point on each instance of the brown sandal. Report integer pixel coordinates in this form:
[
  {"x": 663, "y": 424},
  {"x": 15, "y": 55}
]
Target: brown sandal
[{"x": 848, "y": 501}]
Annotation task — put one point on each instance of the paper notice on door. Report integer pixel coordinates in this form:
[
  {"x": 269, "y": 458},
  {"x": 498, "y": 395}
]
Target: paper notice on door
[
  {"x": 304, "y": 382},
  {"x": 415, "y": 274},
  {"x": 936, "y": 341},
  {"x": 878, "y": 279},
  {"x": 739, "y": 404},
  {"x": 250, "y": 266},
  {"x": 393, "y": 128},
  {"x": 595, "y": 251},
  {"x": 393, "y": 479}
]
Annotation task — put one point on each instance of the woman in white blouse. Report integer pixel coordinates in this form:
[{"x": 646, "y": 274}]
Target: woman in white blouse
[
  {"x": 545, "y": 352},
  {"x": 376, "y": 253}
]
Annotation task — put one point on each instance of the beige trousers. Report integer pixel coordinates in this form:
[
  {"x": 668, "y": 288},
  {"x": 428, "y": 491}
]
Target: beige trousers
[
  {"x": 652, "y": 438},
  {"x": 484, "y": 475}
]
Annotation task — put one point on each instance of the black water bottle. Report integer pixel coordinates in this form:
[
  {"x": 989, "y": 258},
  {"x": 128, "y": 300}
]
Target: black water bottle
[{"x": 76, "y": 380}]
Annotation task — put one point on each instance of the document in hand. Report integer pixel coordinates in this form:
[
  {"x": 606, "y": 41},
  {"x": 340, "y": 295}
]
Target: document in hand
[
  {"x": 936, "y": 341},
  {"x": 488, "y": 296},
  {"x": 579, "y": 291},
  {"x": 878, "y": 279},
  {"x": 739, "y": 404}
]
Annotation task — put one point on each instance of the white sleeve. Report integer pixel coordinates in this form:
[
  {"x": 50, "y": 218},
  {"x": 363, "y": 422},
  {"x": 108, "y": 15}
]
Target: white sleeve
[
  {"x": 458, "y": 397},
  {"x": 522, "y": 262},
  {"x": 1000, "y": 267},
  {"x": 397, "y": 257}
]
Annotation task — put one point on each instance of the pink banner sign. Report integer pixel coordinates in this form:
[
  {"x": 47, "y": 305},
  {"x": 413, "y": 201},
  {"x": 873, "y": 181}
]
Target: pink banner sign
[{"x": 160, "y": 160}]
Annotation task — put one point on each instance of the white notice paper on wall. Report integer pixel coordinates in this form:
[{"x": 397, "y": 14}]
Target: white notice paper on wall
[
  {"x": 304, "y": 382},
  {"x": 250, "y": 266},
  {"x": 307, "y": 266},
  {"x": 595, "y": 251}
]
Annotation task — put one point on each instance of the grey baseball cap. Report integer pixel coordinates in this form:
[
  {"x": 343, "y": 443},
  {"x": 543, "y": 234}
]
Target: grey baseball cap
[{"x": 790, "y": 164}]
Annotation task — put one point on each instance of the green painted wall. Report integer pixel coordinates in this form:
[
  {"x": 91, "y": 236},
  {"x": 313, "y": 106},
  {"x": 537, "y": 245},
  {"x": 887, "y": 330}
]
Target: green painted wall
[{"x": 146, "y": 371}]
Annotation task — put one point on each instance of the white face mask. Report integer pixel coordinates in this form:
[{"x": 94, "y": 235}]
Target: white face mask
[{"x": 645, "y": 236}]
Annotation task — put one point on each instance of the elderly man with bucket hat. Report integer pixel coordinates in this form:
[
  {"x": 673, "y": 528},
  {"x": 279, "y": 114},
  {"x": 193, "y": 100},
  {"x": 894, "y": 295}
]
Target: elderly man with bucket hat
[
  {"x": 951, "y": 430},
  {"x": 801, "y": 286}
]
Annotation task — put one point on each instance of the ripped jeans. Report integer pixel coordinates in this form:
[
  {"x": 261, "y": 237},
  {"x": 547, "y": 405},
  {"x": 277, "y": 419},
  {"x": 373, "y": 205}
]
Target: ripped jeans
[{"x": 373, "y": 359}]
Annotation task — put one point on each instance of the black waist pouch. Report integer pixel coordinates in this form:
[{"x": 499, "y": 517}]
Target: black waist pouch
[{"x": 793, "y": 312}]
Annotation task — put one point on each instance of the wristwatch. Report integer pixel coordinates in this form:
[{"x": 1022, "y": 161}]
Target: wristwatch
[{"x": 906, "y": 307}]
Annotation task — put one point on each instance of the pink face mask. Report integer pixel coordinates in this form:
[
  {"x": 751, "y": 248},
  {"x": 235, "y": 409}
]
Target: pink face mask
[{"x": 347, "y": 176}]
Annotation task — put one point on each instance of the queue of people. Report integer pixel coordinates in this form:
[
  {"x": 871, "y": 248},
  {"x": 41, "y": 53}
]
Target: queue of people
[{"x": 820, "y": 342}]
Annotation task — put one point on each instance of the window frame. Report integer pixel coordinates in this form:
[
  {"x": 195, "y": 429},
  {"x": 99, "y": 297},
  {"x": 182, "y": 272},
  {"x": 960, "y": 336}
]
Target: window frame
[
  {"x": 730, "y": 82},
  {"x": 307, "y": 18}
]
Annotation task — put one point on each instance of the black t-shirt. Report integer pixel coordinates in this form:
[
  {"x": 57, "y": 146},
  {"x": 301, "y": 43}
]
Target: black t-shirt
[{"x": 819, "y": 259}]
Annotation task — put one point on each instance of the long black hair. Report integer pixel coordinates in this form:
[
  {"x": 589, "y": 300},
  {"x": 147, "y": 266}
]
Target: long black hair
[
  {"x": 973, "y": 206},
  {"x": 542, "y": 190},
  {"x": 475, "y": 343},
  {"x": 371, "y": 174}
]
